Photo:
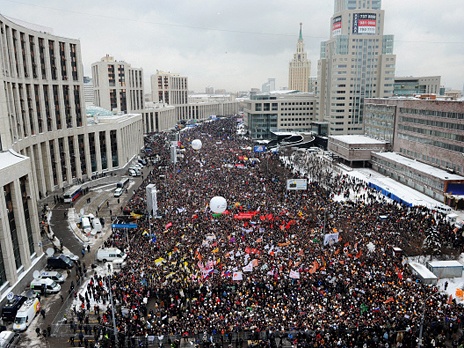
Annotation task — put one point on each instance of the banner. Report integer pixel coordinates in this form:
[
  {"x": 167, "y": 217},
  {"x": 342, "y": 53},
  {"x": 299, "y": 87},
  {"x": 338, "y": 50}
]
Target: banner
[
  {"x": 330, "y": 238},
  {"x": 248, "y": 268},
  {"x": 294, "y": 274},
  {"x": 237, "y": 276}
]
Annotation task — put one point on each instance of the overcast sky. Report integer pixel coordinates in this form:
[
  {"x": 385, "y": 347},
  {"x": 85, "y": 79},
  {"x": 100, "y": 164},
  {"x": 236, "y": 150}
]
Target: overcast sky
[{"x": 238, "y": 45}]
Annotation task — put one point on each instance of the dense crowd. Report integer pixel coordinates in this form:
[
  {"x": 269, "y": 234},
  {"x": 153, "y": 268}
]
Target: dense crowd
[{"x": 300, "y": 265}]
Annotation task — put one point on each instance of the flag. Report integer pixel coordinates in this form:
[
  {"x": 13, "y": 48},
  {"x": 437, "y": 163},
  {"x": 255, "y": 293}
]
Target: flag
[
  {"x": 388, "y": 300},
  {"x": 237, "y": 276},
  {"x": 169, "y": 224},
  {"x": 159, "y": 261},
  {"x": 294, "y": 274},
  {"x": 248, "y": 268},
  {"x": 314, "y": 267}
]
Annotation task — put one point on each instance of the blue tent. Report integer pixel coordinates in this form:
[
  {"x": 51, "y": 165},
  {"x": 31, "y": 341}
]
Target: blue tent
[{"x": 389, "y": 194}]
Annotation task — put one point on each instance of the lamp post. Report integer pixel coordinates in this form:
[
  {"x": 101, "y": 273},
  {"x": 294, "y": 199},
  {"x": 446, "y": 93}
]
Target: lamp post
[
  {"x": 421, "y": 328},
  {"x": 115, "y": 330}
]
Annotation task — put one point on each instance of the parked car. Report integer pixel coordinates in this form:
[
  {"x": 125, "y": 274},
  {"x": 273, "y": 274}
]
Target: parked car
[{"x": 59, "y": 262}]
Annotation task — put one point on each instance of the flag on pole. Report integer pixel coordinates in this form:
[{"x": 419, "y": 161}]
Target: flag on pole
[{"x": 237, "y": 276}]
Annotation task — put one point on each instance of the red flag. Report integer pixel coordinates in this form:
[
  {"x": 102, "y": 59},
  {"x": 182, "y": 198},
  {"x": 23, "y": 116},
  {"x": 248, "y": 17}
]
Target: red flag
[{"x": 168, "y": 225}]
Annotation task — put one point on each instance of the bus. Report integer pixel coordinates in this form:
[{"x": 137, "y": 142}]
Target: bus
[
  {"x": 123, "y": 183},
  {"x": 72, "y": 194}
]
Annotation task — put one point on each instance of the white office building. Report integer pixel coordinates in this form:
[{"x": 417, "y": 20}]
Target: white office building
[
  {"x": 46, "y": 141},
  {"x": 117, "y": 86},
  {"x": 357, "y": 62}
]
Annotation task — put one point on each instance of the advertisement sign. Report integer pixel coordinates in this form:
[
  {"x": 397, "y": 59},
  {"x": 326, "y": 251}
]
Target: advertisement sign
[
  {"x": 259, "y": 148},
  {"x": 297, "y": 184},
  {"x": 337, "y": 25},
  {"x": 364, "y": 23}
]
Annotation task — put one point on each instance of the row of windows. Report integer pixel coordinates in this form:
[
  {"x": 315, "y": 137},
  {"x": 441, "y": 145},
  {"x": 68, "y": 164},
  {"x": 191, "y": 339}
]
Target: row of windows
[
  {"x": 439, "y": 162},
  {"x": 406, "y": 171},
  {"x": 431, "y": 142},
  {"x": 445, "y": 114},
  {"x": 432, "y": 123},
  {"x": 433, "y": 133}
]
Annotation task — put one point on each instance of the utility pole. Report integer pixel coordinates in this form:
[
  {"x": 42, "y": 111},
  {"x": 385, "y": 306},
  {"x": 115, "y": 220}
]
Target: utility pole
[{"x": 115, "y": 330}]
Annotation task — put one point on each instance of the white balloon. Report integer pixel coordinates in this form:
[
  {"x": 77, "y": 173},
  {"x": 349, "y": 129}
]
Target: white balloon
[
  {"x": 218, "y": 204},
  {"x": 196, "y": 144}
]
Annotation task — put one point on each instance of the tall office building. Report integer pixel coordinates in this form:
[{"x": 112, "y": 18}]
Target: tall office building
[
  {"x": 117, "y": 86},
  {"x": 357, "y": 62},
  {"x": 269, "y": 86},
  {"x": 171, "y": 89},
  {"x": 46, "y": 140},
  {"x": 299, "y": 68}
]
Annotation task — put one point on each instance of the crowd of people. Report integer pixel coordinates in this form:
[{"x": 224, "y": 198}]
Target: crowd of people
[{"x": 298, "y": 265}]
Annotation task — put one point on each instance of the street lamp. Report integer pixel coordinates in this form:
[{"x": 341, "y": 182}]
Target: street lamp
[
  {"x": 421, "y": 328},
  {"x": 115, "y": 330}
]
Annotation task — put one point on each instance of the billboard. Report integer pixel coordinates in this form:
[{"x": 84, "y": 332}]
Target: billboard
[
  {"x": 337, "y": 25},
  {"x": 259, "y": 148},
  {"x": 364, "y": 23},
  {"x": 297, "y": 184}
]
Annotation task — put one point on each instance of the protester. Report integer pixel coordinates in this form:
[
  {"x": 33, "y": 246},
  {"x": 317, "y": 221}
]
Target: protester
[{"x": 315, "y": 264}]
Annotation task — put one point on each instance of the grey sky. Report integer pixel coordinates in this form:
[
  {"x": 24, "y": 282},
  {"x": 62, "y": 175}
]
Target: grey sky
[{"x": 237, "y": 45}]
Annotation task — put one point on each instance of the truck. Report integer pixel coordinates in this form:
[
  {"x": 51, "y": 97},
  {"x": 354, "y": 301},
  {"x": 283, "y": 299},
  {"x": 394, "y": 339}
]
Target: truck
[
  {"x": 10, "y": 309},
  {"x": 26, "y": 314}
]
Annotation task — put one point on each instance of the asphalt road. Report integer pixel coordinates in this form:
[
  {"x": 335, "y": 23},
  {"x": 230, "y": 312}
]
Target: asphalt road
[{"x": 98, "y": 201}]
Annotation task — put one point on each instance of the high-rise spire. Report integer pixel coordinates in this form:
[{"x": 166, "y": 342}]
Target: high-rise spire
[{"x": 300, "y": 67}]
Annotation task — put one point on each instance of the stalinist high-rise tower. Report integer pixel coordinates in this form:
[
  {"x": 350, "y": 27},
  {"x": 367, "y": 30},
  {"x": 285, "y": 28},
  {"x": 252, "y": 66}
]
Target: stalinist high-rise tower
[
  {"x": 357, "y": 62},
  {"x": 299, "y": 68}
]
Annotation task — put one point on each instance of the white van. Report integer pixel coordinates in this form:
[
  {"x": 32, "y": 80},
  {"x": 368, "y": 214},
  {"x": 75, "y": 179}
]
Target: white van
[
  {"x": 441, "y": 208},
  {"x": 110, "y": 254},
  {"x": 7, "y": 338},
  {"x": 85, "y": 225},
  {"x": 25, "y": 314},
  {"x": 57, "y": 277},
  {"x": 50, "y": 286},
  {"x": 96, "y": 224}
]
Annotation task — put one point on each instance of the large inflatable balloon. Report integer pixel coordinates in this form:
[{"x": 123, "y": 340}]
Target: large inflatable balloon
[
  {"x": 196, "y": 144},
  {"x": 218, "y": 204}
]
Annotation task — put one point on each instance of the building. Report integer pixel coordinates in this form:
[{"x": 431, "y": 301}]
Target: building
[
  {"x": 357, "y": 62},
  {"x": 278, "y": 111},
  {"x": 355, "y": 150},
  {"x": 171, "y": 89},
  {"x": 117, "y": 86},
  {"x": 411, "y": 86},
  {"x": 299, "y": 68},
  {"x": 46, "y": 140},
  {"x": 158, "y": 117},
  {"x": 88, "y": 91},
  {"x": 430, "y": 131},
  {"x": 427, "y": 140},
  {"x": 269, "y": 86}
]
